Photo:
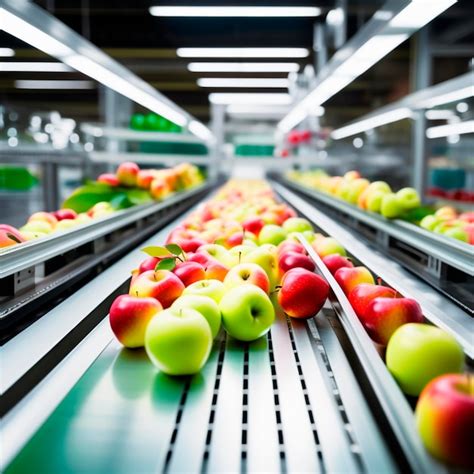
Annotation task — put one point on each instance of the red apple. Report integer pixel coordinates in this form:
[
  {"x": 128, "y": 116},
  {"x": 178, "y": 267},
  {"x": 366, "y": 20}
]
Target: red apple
[
  {"x": 10, "y": 236},
  {"x": 108, "y": 178},
  {"x": 163, "y": 285},
  {"x": 44, "y": 217},
  {"x": 148, "y": 264},
  {"x": 189, "y": 272},
  {"x": 247, "y": 273},
  {"x": 129, "y": 317},
  {"x": 288, "y": 245},
  {"x": 289, "y": 260},
  {"x": 160, "y": 189},
  {"x": 213, "y": 268},
  {"x": 127, "y": 173},
  {"x": 362, "y": 295},
  {"x": 445, "y": 419},
  {"x": 384, "y": 315},
  {"x": 349, "y": 278},
  {"x": 254, "y": 225},
  {"x": 302, "y": 293},
  {"x": 335, "y": 261},
  {"x": 65, "y": 214},
  {"x": 145, "y": 178}
]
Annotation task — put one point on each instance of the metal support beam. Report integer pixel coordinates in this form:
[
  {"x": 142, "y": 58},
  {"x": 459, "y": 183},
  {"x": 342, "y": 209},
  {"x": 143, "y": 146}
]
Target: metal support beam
[
  {"x": 319, "y": 46},
  {"x": 421, "y": 65}
]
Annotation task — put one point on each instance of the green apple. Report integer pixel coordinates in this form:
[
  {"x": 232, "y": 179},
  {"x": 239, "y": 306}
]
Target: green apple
[
  {"x": 390, "y": 206},
  {"x": 417, "y": 353},
  {"x": 214, "y": 289},
  {"x": 429, "y": 222},
  {"x": 408, "y": 198},
  {"x": 178, "y": 342},
  {"x": 247, "y": 312},
  {"x": 272, "y": 234},
  {"x": 356, "y": 187},
  {"x": 380, "y": 186},
  {"x": 65, "y": 224},
  {"x": 29, "y": 235},
  {"x": 219, "y": 252},
  {"x": 297, "y": 224},
  {"x": 268, "y": 260},
  {"x": 37, "y": 226},
  {"x": 239, "y": 251},
  {"x": 327, "y": 246},
  {"x": 204, "y": 305},
  {"x": 457, "y": 233},
  {"x": 309, "y": 235},
  {"x": 374, "y": 200}
]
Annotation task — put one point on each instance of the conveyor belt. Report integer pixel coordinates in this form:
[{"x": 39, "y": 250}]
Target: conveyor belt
[
  {"x": 290, "y": 402},
  {"x": 273, "y": 405},
  {"x": 447, "y": 264}
]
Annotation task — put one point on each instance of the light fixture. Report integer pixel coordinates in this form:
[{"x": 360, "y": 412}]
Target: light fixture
[
  {"x": 419, "y": 13},
  {"x": 6, "y": 52},
  {"x": 34, "y": 67},
  {"x": 379, "y": 36},
  {"x": 458, "y": 128},
  {"x": 243, "y": 67},
  {"x": 358, "y": 142},
  {"x": 462, "y": 107},
  {"x": 371, "y": 122},
  {"x": 447, "y": 98},
  {"x": 251, "y": 98},
  {"x": 259, "y": 109},
  {"x": 242, "y": 52},
  {"x": 234, "y": 11},
  {"x": 47, "y": 84},
  {"x": 246, "y": 82},
  {"x": 435, "y": 114},
  {"x": 35, "y": 26}
]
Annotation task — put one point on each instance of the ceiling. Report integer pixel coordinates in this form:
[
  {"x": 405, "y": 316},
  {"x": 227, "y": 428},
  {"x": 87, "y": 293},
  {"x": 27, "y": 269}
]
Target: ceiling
[{"x": 147, "y": 45}]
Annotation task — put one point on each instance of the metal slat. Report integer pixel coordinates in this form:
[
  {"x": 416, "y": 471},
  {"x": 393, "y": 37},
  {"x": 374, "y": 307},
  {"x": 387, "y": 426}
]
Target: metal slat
[
  {"x": 225, "y": 448},
  {"x": 188, "y": 450},
  {"x": 263, "y": 451},
  {"x": 326, "y": 413},
  {"x": 374, "y": 452},
  {"x": 298, "y": 438}
]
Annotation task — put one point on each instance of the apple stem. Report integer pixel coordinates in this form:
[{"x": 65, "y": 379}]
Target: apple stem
[
  {"x": 180, "y": 259},
  {"x": 379, "y": 281},
  {"x": 240, "y": 256},
  {"x": 136, "y": 293}
]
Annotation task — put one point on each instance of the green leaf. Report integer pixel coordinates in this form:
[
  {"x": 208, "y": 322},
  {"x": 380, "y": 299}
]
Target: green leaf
[
  {"x": 166, "y": 264},
  {"x": 174, "y": 249},
  {"x": 156, "y": 251},
  {"x": 138, "y": 196}
]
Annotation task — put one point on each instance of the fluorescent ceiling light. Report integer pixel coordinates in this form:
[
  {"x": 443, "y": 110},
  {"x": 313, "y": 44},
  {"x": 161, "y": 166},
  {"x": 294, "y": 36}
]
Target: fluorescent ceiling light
[
  {"x": 439, "y": 114},
  {"x": 243, "y": 67},
  {"x": 447, "y": 98},
  {"x": 124, "y": 87},
  {"x": 242, "y": 52},
  {"x": 371, "y": 122},
  {"x": 450, "y": 129},
  {"x": 241, "y": 98},
  {"x": 33, "y": 67},
  {"x": 32, "y": 35},
  {"x": 244, "y": 82},
  {"x": 46, "y": 84},
  {"x": 234, "y": 11},
  {"x": 41, "y": 30},
  {"x": 6, "y": 52},
  {"x": 381, "y": 35},
  {"x": 255, "y": 109},
  {"x": 419, "y": 13}
]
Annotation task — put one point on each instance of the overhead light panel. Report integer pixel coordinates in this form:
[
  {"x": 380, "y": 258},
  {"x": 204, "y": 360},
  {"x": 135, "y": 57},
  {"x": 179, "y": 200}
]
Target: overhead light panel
[
  {"x": 448, "y": 98},
  {"x": 442, "y": 114},
  {"x": 243, "y": 67},
  {"x": 379, "y": 36},
  {"x": 47, "y": 84},
  {"x": 251, "y": 98},
  {"x": 242, "y": 52},
  {"x": 234, "y": 11},
  {"x": 451, "y": 129},
  {"x": 229, "y": 82},
  {"x": 34, "y": 67},
  {"x": 6, "y": 52},
  {"x": 371, "y": 122}
]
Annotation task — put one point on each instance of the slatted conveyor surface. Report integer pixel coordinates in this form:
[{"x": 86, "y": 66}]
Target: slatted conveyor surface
[{"x": 272, "y": 405}]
